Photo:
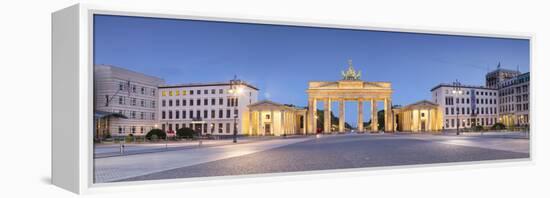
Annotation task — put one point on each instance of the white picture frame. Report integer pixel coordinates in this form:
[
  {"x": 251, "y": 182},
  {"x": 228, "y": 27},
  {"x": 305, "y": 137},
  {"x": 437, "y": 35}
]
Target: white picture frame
[{"x": 72, "y": 88}]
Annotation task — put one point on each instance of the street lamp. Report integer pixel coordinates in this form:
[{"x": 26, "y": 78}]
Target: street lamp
[
  {"x": 457, "y": 91},
  {"x": 235, "y": 90}
]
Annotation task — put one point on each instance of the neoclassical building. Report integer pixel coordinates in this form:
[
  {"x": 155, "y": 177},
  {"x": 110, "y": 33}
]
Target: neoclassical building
[
  {"x": 421, "y": 116},
  {"x": 271, "y": 118},
  {"x": 350, "y": 88}
]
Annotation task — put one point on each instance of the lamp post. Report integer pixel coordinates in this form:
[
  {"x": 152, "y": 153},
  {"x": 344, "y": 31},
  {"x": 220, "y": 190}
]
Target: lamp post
[
  {"x": 235, "y": 90},
  {"x": 457, "y": 91}
]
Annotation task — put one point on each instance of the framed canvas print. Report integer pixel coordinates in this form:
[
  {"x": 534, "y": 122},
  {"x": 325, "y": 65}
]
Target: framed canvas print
[{"x": 143, "y": 97}]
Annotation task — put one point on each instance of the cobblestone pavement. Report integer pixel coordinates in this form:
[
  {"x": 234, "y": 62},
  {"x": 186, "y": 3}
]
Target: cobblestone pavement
[
  {"x": 120, "y": 167},
  {"x": 351, "y": 151}
]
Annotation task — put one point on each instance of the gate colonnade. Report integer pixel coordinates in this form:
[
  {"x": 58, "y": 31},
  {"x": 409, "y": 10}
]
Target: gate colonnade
[{"x": 350, "y": 88}]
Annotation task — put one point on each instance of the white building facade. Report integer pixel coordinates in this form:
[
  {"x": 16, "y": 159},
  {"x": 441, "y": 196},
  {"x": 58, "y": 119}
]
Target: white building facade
[
  {"x": 208, "y": 108},
  {"x": 466, "y": 106},
  {"x": 128, "y": 93},
  {"x": 514, "y": 100}
]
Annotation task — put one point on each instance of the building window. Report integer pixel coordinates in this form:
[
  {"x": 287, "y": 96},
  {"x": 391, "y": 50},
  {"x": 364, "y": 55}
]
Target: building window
[
  {"x": 169, "y": 114},
  {"x": 143, "y": 90},
  {"x": 190, "y": 92},
  {"x": 191, "y": 114},
  {"x": 205, "y": 114},
  {"x": 236, "y": 111},
  {"x": 177, "y": 103},
  {"x": 177, "y": 114},
  {"x": 220, "y": 114},
  {"x": 213, "y": 101},
  {"x": 198, "y": 114},
  {"x": 199, "y": 92},
  {"x": 221, "y": 91},
  {"x": 183, "y": 102},
  {"x": 205, "y": 102},
  {"x": 163, "y": 103},
  {"x": 191, "y": 102},
  {"x": 206, "y": 91},
  {"x": 170, "y": 103},
  {"x": 198, "y": 102},
  {"x": 183, "y": 114},
  {"x": 228, "y": 114},
  {"x": 213, "y": 112},
  {"x": 228, "y": 128},
  {"x": 220, "y": 128},
  {"x": 220, "y": 101},
  {"x": 163, "y": 114}
]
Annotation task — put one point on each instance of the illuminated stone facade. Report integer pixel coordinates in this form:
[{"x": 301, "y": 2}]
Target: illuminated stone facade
[
  {"x": 350, "y": 88},
  {"x": 270, "y": 118},
  {"x": 419, "y": 117}
]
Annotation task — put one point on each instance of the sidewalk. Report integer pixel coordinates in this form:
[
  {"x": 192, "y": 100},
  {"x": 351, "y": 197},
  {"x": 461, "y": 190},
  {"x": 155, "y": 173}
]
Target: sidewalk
[
  {"x": 110, "y": 169},
  {"x": 113, "y": 150},
  {"x": 493, "y": 134}
]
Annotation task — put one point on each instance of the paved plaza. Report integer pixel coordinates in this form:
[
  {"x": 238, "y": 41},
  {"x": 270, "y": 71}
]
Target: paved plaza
[{"x": 274, "y": 155}]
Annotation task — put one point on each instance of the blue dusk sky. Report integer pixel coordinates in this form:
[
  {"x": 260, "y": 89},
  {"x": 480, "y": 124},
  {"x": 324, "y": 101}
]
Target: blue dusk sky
[{"x": 280, "y": 60}]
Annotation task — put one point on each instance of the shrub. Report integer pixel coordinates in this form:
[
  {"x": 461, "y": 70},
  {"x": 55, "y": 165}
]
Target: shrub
[
  {"x": 129, "y": 138},
  {"x": 477, "y": 128},
  {"x": 498, "y": 126},
  {"x": 157, "y": 133},
  {"x": 186, "y": 133}
]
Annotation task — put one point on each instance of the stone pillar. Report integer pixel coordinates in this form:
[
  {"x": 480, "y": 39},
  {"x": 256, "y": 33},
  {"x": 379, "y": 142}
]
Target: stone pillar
[
  {"x": 429, "y": 120},
  {"x": 282, "y": 129},
  {"x": 390, "y": 116},
  {"x": 249, "y": 122},
  {"x": 326, "y": 115},
  {"x": 312, "y": 125},
  {"x": 260, "y": 131},
  {"x": 304, "y": 123},
  {"x": 342, "y": 121},
  {"x": 272, "y": 125},
  {"x": 388, "y": 121},
  {"x": 360, "y": 116},
  {"x": 373, "y": 116}
]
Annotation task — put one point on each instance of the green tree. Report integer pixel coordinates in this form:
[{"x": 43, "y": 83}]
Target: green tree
[
  {"x": 157, "y": 132},
  {"x": 498, "y": 126},
  {"x": 334, "y": 120},
  {"x": 186, "y": 133}
]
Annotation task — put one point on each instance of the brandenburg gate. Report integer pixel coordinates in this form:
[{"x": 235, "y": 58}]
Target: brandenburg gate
[{"x": 350, "y": 88}]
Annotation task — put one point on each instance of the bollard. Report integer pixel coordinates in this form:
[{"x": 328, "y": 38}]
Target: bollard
[{"x": 122, "y": 149}]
